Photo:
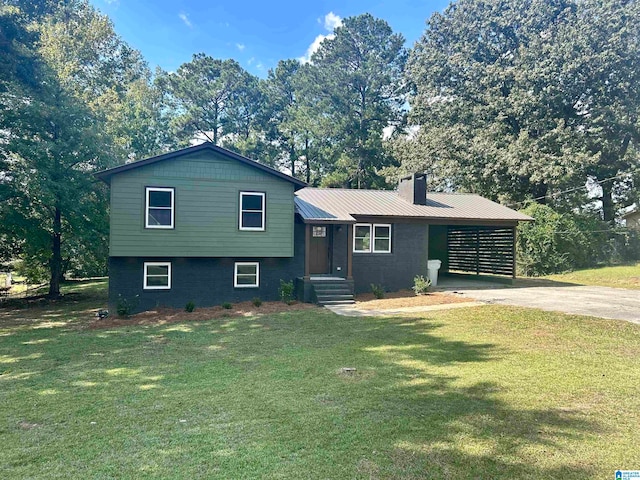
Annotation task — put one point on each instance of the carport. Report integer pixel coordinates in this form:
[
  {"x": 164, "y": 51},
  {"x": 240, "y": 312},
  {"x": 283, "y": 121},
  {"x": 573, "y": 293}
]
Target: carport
[{"x": 474, "y": 249}]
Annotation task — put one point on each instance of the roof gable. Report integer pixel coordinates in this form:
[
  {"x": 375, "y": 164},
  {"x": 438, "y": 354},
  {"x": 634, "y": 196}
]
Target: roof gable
[{"x": 106, "y": 175}]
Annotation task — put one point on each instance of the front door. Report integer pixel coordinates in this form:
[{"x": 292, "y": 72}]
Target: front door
[{"x": 319, "y": 250}]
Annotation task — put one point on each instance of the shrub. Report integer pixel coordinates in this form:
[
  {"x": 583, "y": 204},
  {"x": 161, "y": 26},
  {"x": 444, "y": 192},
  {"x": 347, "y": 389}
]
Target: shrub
[
  {"x": 377, "y": 290},
  {"x": 125, "y": 306},
  {"x": 256, "y": 301},
  {"x": 286, "y": 291},
  {"x": 227, "y": 306},
  {"x": 421, "y": 285},
  {"x": 558, "y": 242},
  {"x": 190, "y": 307}
]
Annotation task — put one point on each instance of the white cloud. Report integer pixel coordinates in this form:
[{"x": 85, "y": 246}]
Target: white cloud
[
  {"x": 240, "y": 46},
  {"x": 185, "y": 18},
  {"x": 332, "y": 21},
  {"x": 313, "y": 48},
  {"x": 251, "y": 60}
]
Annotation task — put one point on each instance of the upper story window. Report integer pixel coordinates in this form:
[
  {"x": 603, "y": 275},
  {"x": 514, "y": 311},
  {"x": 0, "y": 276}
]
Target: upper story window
[
  {"x": 159, "y": 207},
  {"x": 252, "y": 211},
  {"x": 368, "y": 238}
]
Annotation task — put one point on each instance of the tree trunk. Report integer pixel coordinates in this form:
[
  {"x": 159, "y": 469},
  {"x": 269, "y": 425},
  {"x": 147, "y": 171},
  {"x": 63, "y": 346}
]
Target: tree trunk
[
  {"x": 55, "y": 263},
  {"x": 539, "y": 192},
  {"x": 608, "y": 212},
  {"x": 306, "y": 159},
  {"x": 292, "y": 159},
  {"x": 215, "y": 125}
]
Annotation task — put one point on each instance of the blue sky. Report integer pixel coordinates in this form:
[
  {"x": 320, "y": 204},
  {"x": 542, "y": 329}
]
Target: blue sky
[{"x": 257, "y": 33}]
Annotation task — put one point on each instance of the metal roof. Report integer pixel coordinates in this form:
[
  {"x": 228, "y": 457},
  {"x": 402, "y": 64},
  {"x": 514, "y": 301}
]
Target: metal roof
[
  {"x": 105, "y": 175},
  {"x": 334, "y": 205}
]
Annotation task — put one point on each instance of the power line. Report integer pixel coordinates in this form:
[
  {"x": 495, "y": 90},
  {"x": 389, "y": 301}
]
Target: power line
[
  {"x": 598, "y": 182},
  {"x": 620, "y": 231}
]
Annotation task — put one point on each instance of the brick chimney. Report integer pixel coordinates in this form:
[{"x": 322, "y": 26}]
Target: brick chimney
[{"x": 413, "y": 188}]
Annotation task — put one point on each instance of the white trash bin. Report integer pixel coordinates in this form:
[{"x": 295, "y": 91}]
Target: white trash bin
[{"x": 432, "y": 271}]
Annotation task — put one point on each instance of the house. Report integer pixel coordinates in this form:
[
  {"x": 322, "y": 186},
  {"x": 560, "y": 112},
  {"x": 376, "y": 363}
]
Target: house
[
  {"x": 207, "y": 225},
  {"x": 632, "y": 219}
]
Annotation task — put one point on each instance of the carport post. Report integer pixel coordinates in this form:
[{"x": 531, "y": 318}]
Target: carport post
[{"x": 515, "y": 231}]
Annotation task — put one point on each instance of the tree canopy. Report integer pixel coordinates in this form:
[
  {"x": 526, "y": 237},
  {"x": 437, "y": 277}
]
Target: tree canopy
[
  {"x": 515, "y": 100},
  {"x": 519, "y": 100}
]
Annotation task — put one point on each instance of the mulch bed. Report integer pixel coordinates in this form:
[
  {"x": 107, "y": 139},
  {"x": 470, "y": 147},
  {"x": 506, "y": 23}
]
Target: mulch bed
[
  {"x": 162, "y": 316},
  {"x": 407, "y": 298}
]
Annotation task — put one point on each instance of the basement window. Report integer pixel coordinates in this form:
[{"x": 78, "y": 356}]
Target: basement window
[
  {"x": 246, "y": 275},
  {"x": 159, "y": 207},
  {"x": 157, "y": 275},
  {"x": 252, "y": 211}
]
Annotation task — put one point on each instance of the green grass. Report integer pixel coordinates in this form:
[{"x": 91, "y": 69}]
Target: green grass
[
  {"x": 622, "y": 276},
  {"x": 486, "y": 392}
]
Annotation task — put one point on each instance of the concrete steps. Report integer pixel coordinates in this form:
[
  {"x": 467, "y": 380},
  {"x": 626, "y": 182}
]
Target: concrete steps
[{"x": 333, "y": 291}]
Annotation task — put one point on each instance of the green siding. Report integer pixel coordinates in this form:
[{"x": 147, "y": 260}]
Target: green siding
[{"x": 207, "y": 187}]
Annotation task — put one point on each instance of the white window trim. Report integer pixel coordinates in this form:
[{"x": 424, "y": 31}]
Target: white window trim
[
  {"x": 264, "y": 208},
  {"x": 148, "y": 190},
  {"x": 145, "y": 276},
  {"x": 370, "y": 237},
  {"x": 235, "y": 274},
  {"x": 373, "y": 237}
]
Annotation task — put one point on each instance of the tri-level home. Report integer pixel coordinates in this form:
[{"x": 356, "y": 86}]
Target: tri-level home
[{"x": 207, "y": 225}]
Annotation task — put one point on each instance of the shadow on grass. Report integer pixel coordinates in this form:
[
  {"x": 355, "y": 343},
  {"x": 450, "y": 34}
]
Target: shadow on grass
[
  {"x": 413, "y": 408},
  {"x": 77, "y": 305},
  {"x": 462, "y": 430}
]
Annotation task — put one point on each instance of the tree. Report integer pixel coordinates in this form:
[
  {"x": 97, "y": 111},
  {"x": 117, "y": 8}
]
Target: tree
[
  {"x": 280, "y": 96},
  {"x": 356, "y": 80},
  {"x": 62, "y": 100},
  {"x": 599, "y": 60},
  {"x": 294, "y": 125},
  {"x": 204, "y": 94},
  {"x": 94, "y": 64},
  {"x": 54, "y": 144},
  {"x": 520, "y": 100}
]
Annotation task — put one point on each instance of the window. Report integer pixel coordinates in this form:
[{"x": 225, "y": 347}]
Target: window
[
  {"x": 362, "y": 238},
  {"x": 381, "y": 238},
  {"x": 319, "y": 231},
  {"x": 252, "y": 211},
  {"x": 157, "y": 275},
  {"x": 246, "y": 275},
  {"x": 159, "y": 207},
  {"x": 374, "y": 238}
]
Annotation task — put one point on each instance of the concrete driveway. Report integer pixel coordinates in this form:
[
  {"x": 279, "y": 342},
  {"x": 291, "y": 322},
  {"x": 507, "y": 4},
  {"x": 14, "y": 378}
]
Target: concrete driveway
[{"x": 604, "y": 302}]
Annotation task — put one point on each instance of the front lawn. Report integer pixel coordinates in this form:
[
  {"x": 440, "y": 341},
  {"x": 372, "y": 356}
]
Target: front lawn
[
  {"x": 621, "y": 276},
  {"x": 485, "y": 392}
]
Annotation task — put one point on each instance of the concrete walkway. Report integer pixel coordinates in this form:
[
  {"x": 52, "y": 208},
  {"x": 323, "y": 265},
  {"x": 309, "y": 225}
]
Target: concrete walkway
[{"x": 602, "y": 302}]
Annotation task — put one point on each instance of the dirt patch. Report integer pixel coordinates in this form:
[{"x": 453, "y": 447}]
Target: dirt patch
[
  {"x": 407, "y": 298},
  {"x": 176, "y": 315},
  {"x": 27, "y": 425}
]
